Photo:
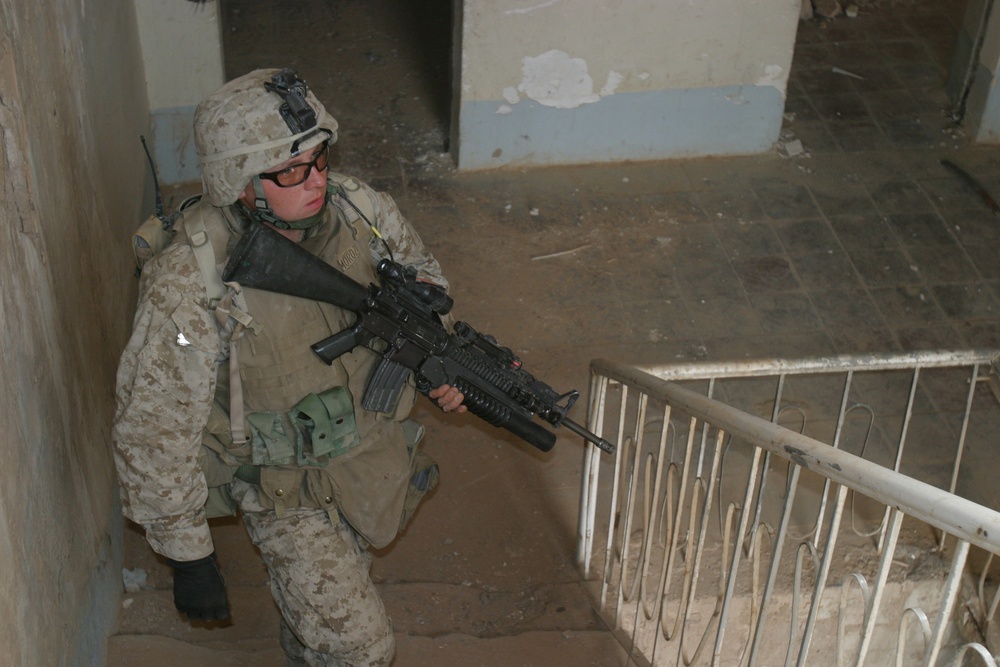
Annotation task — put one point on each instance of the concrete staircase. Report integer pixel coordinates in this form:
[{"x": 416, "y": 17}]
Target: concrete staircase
[{"x": 471, "y": 582}]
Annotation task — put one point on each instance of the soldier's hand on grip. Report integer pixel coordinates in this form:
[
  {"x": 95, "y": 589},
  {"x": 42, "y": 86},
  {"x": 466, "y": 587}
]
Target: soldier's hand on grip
[{"x": 448, "y": 398}]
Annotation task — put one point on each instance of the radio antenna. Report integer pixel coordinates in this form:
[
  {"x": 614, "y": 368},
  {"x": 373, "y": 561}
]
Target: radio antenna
[{"x": 156, "y": 183}]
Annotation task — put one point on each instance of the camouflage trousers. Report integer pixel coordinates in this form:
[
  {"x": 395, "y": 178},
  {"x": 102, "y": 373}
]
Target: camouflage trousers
[{"x": 332, "y": 615}]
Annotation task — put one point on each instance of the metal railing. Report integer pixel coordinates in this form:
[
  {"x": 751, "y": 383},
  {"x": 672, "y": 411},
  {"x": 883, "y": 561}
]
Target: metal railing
[{"x": 816, "y": 512}]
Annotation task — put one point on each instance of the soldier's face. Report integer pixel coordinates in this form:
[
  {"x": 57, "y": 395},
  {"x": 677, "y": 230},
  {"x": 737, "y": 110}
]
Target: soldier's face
[{"x": 295, "y": 202}]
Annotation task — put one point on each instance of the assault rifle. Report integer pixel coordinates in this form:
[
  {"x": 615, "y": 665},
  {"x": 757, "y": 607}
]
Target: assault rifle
[{"x": 401, "y": 320}]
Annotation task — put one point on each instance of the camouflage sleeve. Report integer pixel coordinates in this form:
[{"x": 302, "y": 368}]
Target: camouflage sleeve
[
  {"x": 407, "y": 248},
  {"x": 165, "y": 387}
]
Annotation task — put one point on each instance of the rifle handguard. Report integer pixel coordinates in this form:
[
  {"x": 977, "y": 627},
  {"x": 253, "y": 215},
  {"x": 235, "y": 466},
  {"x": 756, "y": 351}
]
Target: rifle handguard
[{"x": 492, "y": 411}]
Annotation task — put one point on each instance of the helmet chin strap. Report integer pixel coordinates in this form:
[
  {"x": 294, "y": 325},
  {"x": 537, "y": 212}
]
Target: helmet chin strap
[{"x": 261, "y": 211}]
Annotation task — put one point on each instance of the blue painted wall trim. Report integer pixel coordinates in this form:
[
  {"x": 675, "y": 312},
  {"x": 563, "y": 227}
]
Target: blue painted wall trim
[
  {"x": 736, "y": 120},
  {"x": 172, "y": 145}
]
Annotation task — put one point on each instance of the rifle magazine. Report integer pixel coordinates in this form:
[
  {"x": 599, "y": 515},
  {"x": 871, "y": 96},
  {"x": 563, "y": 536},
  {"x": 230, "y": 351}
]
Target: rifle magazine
[{"x": 385, "y": 386}]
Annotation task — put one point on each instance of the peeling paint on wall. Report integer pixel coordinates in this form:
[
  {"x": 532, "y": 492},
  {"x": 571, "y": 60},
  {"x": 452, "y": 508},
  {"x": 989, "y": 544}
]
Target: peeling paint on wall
[
  {"x": 563, "y": 82},
  {"x": 611, "y": 85},
  {"x": 555, "y": 79},
  {"x": 773, "y": 76}
]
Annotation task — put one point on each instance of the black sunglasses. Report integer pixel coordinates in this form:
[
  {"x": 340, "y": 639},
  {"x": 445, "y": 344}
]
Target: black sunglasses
[{"x": 298, "y": 173}]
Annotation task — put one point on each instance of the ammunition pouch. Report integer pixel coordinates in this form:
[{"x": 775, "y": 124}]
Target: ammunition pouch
[
  {"x": 283, "y": 449},
  {"x": 320, "y": 427},
  {"x": 325, "y": 424},
  {"x": 311, "y": 456}
]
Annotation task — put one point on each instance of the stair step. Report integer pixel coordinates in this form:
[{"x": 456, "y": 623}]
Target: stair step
[
  {"x": 530, "y": 649},
  {"x": 152, "y": 613},
  {"x": 420, "y": 609},
  {"x": 433, "y": 609},
  {"x": 159, "y": 651}
]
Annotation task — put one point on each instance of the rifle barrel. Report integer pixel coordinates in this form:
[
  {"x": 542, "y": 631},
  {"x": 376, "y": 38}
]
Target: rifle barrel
[{"x": 601, "y": 443}]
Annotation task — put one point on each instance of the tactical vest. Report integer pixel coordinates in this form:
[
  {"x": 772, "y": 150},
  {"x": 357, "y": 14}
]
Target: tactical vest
[{"x": 307, "y": 440}]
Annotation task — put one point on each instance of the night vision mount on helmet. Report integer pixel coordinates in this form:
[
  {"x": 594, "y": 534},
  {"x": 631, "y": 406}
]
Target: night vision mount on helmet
[{"x": 298, "y": 115}]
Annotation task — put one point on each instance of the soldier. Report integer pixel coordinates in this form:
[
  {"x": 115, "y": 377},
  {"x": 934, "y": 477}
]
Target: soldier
[{"x": 223, "y": 407}]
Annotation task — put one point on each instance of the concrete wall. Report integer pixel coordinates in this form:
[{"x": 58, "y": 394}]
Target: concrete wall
[
  {"x": 72, "y": 107},
  {"x": 979, "y": 42},
  {"x": 182, "y": 55},
  {"x": 560, "y": 81}
]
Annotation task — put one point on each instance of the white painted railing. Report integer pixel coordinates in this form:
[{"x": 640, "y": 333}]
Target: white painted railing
[{"x": 818, "y": 512}]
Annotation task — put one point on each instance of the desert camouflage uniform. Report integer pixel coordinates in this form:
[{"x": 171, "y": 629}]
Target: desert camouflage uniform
[{"x": 166, "y": 395}]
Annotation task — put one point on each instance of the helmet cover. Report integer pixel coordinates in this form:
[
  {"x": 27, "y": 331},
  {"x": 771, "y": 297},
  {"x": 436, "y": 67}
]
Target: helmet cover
[{"x": 241, "y": 130}]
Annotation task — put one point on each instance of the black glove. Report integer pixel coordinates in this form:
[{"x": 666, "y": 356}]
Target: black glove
[{"x": 199, "y": 591}]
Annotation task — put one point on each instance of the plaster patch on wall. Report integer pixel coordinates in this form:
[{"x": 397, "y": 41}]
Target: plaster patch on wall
[
  {"x": 611, "y": 84},
  {"x": 504, "y": 109},
  {"x": 554, "y": 79},
  {"x": 510, "y": 95},
  {"x": 773, "y": 76}
]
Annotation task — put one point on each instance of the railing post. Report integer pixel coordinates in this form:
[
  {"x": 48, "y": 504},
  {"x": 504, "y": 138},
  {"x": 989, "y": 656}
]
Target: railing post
[{"x": 661, "y": 473}]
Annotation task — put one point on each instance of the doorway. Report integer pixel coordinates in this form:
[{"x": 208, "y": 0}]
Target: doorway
[{"x": 382, "y": 68}]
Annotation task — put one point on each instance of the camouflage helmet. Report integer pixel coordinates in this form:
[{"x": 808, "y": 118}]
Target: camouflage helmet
[{"x": 252, "y": 124}]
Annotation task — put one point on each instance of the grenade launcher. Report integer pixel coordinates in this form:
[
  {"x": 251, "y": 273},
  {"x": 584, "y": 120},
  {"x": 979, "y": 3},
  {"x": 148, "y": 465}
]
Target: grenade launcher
[{"x": 401, "y": 321}]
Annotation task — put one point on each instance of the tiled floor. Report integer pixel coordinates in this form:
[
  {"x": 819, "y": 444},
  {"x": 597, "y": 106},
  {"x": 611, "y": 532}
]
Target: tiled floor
[
  {"x": 881, "y": 244},
  {"x": 874, "y": 82},
  {"x": 864, "y": 242}
]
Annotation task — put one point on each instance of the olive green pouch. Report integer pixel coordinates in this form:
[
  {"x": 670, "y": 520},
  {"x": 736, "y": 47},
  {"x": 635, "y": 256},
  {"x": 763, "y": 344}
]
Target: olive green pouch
[
  {"x": 270, "y": 444},
  {"x": 325, "y": 425}
]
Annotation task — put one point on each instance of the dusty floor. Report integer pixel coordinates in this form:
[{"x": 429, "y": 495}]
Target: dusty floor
[{"x": 862, "y": 243}]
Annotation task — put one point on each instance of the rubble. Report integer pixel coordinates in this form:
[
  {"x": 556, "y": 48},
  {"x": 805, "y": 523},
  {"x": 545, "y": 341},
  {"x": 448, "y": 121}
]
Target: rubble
[
  {"x": 791, "y": 148},
  {"x": 827, "y": 9}
]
